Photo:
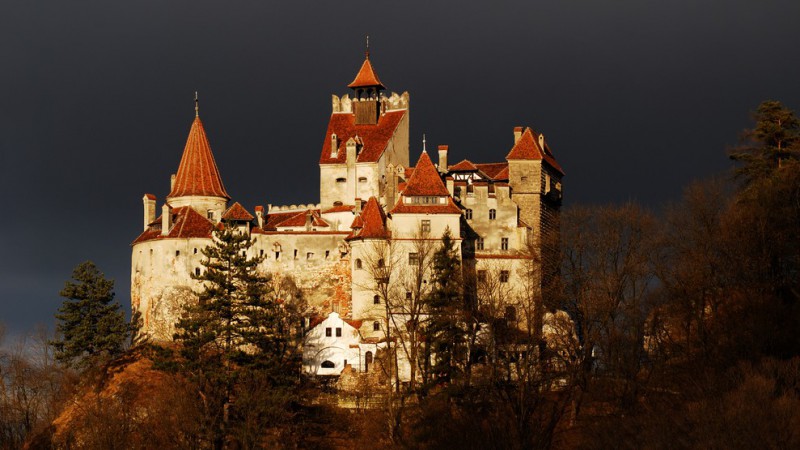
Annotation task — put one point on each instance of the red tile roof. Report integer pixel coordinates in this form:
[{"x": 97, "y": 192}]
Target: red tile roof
[
  {"x": 366, "y": 77},
  {"x": 419, "y": 208},
  {"x": 527, "y": 148},
  {"x": 340, "y": 208},
  {"x": 494, "y": 170},
  {"x": 294, "y": 219},
  {"x": 374, "y": 222},
  {"x": 197, "y": 172},
  {"x": 186, "y": 223},
  {"x": 238, "y": 213},
  {"x": 375, "y": 138},
  {"x": 464, "y": 166},
  {"x": 503, "y": 175},
  {"x": 425, "y": 180},
  {"x": 316, "y": 320},
  {"x": 150, "y": 196},
  {"x": 358, "y": 222}
]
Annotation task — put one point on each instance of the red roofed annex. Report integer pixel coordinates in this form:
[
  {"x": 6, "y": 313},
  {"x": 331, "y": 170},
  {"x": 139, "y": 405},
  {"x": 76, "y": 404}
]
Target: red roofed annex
[{"x": 373, "y": 211}]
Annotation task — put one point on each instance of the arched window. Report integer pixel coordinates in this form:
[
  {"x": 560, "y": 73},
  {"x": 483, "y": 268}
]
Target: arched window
[
  {"x": 376, "y": 300},
  {"x": 376, "y": 326},
  {"x": 358, "y": 264},
  {"x": 492, "y": 214},
  {"x": 328, "y": 364}
]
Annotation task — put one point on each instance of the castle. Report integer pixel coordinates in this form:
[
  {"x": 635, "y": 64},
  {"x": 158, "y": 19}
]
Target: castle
[{"x": 372, "y": 201}]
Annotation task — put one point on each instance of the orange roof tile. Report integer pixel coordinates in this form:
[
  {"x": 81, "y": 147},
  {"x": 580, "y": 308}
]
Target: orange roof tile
[
  {"x": 374, "y": 138},
  {"x": 418, "y": 208},
  {"x": 237, "y": 212},
  {"x": 503, "y": 175},
  {"x": 494, "y": 170},
  {"x": 340, "y": 208},
  {"x": 527, "y": 148},
  {"x": 366, "y": 77},
  {"x": 374, "y": 222},
  {"x": 358, "y": 222},
  {"x": 425, "y": 180},
  {"x": 150, "y": 196},
  {"x": 464, "y": 166},
  {"x": 197, "y": 172},
  {"x": 186, "y": 223},
  {"x": 294, "y": 219}
]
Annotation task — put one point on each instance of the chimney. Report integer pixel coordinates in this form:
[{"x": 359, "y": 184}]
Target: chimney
[
  {"x": 541, "y": 142},
  {"x": 149, "y": 201},
  {"x": 260, "y": 216},
  {"x": 166, "y": 219},
  {"x": 517, "y": 134},
  {"x": 172, "y": 182},
  {"x": 334, "y": 145},
  {"x": 309, "y": 219},
  {"x": 357, "y": 209},
  {"x": 443, "y": 158}
]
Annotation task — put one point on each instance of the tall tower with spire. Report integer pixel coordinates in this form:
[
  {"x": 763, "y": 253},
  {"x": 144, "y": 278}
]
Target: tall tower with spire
[
  {"x": 198, "y": 183},
  {"x": 367, "y": 135},
  {"x": 168, "y": 251}
]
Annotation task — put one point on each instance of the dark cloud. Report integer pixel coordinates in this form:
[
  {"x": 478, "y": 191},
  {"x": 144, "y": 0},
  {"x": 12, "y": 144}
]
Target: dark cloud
[{"x": 636, "y": 98}]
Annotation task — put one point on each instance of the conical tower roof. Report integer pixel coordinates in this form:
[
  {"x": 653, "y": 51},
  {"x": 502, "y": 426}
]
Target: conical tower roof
[
  {"x": 366, "y": 77},
  {"x": 425, "y": 180},
  {"x": 198, "y": 174}
]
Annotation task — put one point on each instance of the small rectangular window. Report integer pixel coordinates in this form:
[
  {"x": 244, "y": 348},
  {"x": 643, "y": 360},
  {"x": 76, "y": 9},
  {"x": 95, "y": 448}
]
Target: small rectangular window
[
  {"x": 341, "y": 180},
  {"x": 295, "y": 253},
  {"x": 479, "y": 243},
  {"x": 309, "y": 255},
  {"x": 338, "y": 332},
  {"x": 327, "y": 253},
  {"x": 362, "y": 179},
  {"x": 481, "y": 276},
  {"x": 468, "y": 214},
  {"x": 492, "y": 214},
  {"x": 328, "y": 332},
  {"x": 413, "y": 259},
  {"x": 277, "y": 255},
  {"x": 177, "y": 253},
  {"x": 426, "y": 226},
  {"x": 504, "y": 275},
  {"x": 503, "y": 243}
]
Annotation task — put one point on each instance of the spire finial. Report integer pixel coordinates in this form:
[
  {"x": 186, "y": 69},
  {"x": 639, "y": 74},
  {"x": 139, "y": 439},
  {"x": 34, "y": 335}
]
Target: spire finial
[
  {"x": 423, "y": 143},
  {"x": 196, "y": 105},
  {"x": 367, "y": 52}
]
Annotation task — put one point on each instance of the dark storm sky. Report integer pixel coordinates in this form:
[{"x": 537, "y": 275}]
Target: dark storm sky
[{"x": 635, "y": 97}]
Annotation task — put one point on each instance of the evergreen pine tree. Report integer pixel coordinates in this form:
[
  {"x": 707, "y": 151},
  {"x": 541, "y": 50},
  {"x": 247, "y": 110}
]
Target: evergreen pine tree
[
  {"x": 91, "y": 326},
  {"x": 445, "y": 328},
  {"x": 773, "y": 142},
  {"x": 235, "y": 332}
]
